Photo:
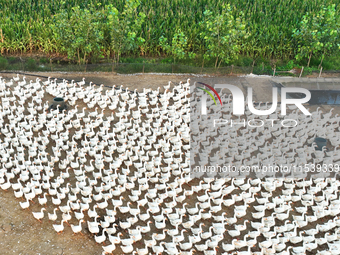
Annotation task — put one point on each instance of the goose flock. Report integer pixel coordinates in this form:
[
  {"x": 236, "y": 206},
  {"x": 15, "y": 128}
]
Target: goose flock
[
  {"x": 120, "y": 168},
  {"x": 258, "y": 141}
]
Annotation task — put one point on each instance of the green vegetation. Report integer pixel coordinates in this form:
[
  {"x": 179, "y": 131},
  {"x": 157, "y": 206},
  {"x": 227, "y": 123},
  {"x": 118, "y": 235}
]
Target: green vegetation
[
  {"x": 123, "y": 28},
  {"x": 318, "y": 34},
  {"x": 30, "y": 64},
  {"x": 202, "y": 33},
  {"x": 3, "y": 63},
  {"x": 222, "y": 34},
  {"x": 78, "y": 33},
  {"x": 178, "y": 47}
]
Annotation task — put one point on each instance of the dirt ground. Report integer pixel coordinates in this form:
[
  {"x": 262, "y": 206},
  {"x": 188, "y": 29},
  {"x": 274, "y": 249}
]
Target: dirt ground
[{"x": 21, "y": 233}]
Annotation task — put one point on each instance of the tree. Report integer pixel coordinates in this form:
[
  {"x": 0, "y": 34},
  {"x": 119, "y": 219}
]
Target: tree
[
  {"x": 222, "y": 34},
  {"x": 123, "y": 27},
  {"x": 318, "y": 34},
  {"x": 178, "y": 47},
  {"x": 79, "y": 33}
]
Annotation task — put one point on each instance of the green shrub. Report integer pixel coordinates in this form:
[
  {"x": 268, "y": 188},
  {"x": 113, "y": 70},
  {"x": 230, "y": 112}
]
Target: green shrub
[
  {"x": 12, "y": 60},
  {"x": 167, "y": 60},
  {"x": 3, "y": 63},
  {"x": 43, "y": 61},
  {"x": 31, "y": 64},
  {"x": 243, "y": 61},
  {"x": 260, "y": 60},
  {"x": 315, "y": 61},
  {"x": 331, "y": 62}
]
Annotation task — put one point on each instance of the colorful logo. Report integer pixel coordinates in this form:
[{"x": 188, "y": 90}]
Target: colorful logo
[
  {"x": 238, "y": 102},
  {"x": 209, "y": 93}
]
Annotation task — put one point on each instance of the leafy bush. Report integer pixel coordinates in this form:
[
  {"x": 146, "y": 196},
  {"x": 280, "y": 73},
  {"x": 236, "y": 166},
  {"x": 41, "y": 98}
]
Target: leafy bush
[
  {"x": 31, "y": 64},
  {"x": 43, "y": 61},
  {"x": 222, "y": 34},
  {"x": 331, "y": 63},
  {"x": 3, "y": 63},
  {"x": 318, "y": 34},
  {"x": 12, "y": 60},
  {"x": 167, "y": 60},
  {"x": 243, "y": 61},
  {"x": 80, "y": 33}
]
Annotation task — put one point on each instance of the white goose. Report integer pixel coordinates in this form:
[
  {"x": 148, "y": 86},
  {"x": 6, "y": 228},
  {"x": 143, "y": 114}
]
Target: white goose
[
  {"x": 77, "y": 228},
  {"x": 59, "y": 228},
  {"x": 39, "y": 215}
]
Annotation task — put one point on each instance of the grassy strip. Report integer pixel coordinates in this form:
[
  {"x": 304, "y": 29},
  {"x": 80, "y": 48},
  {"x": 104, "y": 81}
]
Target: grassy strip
[{"x": 164, "y": 65}]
